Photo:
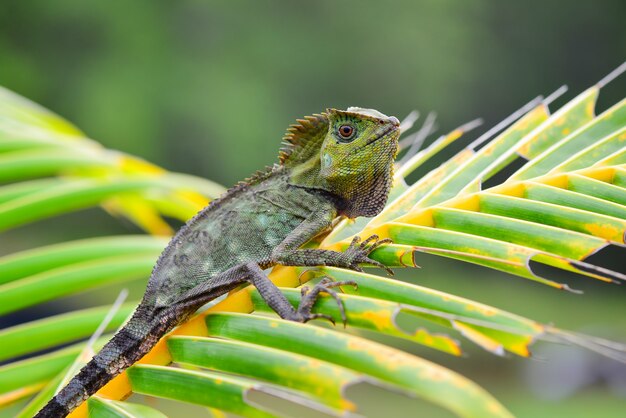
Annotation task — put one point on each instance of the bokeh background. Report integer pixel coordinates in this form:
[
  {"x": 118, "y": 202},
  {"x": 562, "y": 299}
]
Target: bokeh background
[{"x": 208, "y": 88}]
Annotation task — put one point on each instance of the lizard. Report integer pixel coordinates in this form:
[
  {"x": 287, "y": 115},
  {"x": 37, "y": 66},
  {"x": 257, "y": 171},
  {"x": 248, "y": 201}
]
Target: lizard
[{"x": 336, "y": 163}]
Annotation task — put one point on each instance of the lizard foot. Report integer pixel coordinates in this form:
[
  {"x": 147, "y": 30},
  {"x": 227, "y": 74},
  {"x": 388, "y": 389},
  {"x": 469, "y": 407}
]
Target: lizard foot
[
  {"x": 309, "y": 296},
  {"x": 358, "y": 252}
]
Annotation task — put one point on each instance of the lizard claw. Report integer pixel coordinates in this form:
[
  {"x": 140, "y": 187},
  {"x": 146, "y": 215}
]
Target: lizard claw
[
  {"x": 358, "y": 253},
  {"x": 320, "y": 315},
  {"x": 309, "y": 296}
]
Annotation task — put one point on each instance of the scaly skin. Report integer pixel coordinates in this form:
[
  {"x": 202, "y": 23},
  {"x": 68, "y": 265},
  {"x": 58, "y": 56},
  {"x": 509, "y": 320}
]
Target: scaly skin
[{"x": 336, "y": 163}]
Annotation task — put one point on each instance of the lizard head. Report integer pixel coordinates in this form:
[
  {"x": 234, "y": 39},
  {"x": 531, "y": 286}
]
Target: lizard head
[
  {"x": 348, "y": 153},
  {"x": 356, "y": 158}
]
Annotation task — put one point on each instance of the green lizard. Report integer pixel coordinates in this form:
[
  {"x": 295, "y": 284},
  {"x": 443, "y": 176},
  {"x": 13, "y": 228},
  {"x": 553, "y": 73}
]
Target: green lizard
[{"x": 335, "y": 163}]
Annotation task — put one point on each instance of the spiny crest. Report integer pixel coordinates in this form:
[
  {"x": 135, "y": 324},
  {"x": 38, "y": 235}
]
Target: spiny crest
[
  {"x": 256, "y": 177},
  {"x": 302, "y": 135}
]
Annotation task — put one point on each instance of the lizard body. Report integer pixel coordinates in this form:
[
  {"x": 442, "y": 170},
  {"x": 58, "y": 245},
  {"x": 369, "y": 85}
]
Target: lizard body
[{"x": 336, "y": 163}]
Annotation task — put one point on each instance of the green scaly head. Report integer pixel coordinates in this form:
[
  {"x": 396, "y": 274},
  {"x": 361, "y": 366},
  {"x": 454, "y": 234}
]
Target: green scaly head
[{"x": 348, "y": 153}]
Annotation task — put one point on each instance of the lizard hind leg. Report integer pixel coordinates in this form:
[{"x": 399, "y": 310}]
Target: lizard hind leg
[
  {"x": 325, "y": 285},
  {"x": 279, "y": 303}
]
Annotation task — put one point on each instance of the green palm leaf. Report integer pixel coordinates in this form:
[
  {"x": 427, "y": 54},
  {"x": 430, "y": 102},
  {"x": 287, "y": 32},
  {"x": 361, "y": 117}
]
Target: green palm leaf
[{"x": 566, "y": 203}]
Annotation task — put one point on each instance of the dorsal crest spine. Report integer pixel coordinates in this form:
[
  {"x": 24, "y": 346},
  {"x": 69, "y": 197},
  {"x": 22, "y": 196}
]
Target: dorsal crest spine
[{"x": 303, "y": 135}]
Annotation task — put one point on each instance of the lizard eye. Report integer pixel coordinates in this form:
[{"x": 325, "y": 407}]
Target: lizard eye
[{"x": 346, "y": 132}]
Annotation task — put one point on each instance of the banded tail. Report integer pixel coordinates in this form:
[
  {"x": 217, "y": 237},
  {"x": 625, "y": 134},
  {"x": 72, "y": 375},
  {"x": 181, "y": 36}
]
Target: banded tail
[{"x": 130, "y": 343}]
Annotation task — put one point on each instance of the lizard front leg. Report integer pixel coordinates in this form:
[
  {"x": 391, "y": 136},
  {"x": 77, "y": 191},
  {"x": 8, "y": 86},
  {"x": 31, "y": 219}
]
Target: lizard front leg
[{"x": 289, "y": 253}]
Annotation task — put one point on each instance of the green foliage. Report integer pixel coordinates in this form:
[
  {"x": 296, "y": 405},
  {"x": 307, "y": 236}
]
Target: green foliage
[{"x": 566, "y": 203}]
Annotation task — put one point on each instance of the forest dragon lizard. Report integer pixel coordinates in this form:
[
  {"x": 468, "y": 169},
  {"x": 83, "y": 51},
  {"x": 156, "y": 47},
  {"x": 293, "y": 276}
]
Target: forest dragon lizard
[{"x": 334, "y": 163}]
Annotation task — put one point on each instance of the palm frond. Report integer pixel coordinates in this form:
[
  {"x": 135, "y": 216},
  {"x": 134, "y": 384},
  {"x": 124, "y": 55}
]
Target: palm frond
[{"x": 567, "y": 202}]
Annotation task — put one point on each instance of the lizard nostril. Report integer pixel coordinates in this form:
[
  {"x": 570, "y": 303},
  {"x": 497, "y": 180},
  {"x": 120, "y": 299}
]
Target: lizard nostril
[{"x": 394, "y": 120}]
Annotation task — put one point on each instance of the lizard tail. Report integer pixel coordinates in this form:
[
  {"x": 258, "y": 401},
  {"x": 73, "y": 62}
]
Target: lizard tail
[{"x": 130, "y": 343}]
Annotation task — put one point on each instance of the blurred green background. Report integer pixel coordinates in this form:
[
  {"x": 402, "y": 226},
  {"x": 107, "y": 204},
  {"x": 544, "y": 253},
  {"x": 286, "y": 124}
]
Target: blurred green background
[{"x": 208, "y": 88}]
